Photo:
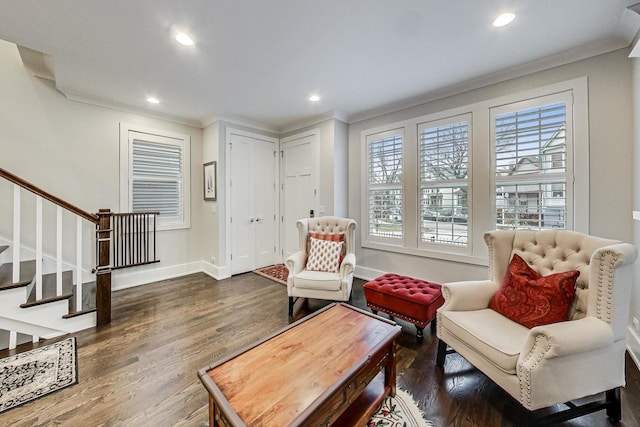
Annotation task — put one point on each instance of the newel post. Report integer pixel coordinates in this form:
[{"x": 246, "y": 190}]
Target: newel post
[{"x": 103, "y": 269}]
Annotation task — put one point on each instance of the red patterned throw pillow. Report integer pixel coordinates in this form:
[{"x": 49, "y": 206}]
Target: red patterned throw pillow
[{"x": 532, "y": 300}]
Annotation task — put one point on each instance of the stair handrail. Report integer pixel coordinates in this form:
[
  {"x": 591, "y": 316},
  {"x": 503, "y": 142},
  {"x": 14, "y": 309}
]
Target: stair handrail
[
  {"x": 102, "y": 221},
  {"x": 48, "y": 196}
]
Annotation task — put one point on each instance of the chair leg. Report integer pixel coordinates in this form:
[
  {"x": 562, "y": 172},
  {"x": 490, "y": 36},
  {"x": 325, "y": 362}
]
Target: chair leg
[
  {"x": 291, "y": 302},
  {"x": 433, "y": 325},
  {"x": 442, "y": 353},
  {"x": 614, "y": 407}
]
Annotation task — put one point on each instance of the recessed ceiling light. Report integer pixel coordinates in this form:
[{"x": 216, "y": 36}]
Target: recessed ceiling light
[
  {"x": 504, "y": 19},
  {"x": 314, "y": 98},
  {"x": 152, "y": 100},
  {"x": 184, "y": 39}
]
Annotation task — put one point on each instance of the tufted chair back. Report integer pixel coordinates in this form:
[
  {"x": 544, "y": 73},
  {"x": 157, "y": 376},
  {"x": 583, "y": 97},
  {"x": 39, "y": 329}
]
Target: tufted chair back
[
  {"x": 327, "y": 225},
  {"x": 557, "y": 251}
]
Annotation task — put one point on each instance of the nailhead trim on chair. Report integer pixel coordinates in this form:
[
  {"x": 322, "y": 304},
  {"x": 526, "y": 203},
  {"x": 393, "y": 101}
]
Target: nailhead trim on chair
[
  {"x": 600, "y": 303},
  {"x": 533, "y": 359}
]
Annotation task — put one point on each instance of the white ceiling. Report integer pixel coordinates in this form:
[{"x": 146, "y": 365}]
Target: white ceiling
[{"x": 259, "y": 60}]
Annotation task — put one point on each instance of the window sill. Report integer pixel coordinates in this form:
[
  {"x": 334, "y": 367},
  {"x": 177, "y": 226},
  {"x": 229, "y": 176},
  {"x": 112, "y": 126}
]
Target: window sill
[{"x": 425, "y": 253}]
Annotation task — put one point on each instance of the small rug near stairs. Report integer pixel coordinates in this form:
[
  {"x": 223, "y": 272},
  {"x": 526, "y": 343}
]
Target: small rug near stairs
[
  {"x": 277, "y": 273},
  {"x": 35, "y": 373},
  {"x": 399, "y": 411}
]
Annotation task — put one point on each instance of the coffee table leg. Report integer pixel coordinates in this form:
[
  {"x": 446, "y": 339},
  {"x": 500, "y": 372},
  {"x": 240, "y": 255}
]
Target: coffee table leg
[
  {"x": 211, "y": 411},
  {"x": 390, "y": 371}
]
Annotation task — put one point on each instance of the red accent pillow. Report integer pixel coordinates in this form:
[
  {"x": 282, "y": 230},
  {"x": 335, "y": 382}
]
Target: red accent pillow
[{"x": 532, "y": 300}]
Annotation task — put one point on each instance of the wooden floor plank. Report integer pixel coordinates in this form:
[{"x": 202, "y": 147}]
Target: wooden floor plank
[{"x": 141, "y": 370}]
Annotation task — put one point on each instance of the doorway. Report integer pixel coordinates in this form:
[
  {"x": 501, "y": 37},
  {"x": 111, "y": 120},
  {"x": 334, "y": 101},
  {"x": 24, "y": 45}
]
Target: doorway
[
  {"x": 300, "y": 185},
  {"x": 253, "y": 201}
]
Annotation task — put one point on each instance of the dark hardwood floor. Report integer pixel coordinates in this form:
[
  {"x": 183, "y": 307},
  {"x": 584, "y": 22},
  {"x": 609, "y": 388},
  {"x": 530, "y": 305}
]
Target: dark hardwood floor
[{"x": 141, "y": 369}]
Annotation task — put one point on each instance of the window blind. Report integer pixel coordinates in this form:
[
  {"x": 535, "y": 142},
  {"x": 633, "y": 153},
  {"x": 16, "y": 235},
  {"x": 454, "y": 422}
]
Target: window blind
[
  {"x": 531, "y": 169},
  {"x": 157, "y": 178},
  {"x": 385, "y": 187},
  {"x": 444, "y": 163}
]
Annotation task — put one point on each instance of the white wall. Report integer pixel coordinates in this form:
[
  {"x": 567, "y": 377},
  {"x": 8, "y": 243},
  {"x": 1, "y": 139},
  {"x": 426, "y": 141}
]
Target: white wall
[
  {"x": 71, "y": 150},
  {"x": 213, "y": 212},
  {"x": 634, "y": 335},
  {"x": 333, "y": 165},
  {"x": 610, "y": 139}
]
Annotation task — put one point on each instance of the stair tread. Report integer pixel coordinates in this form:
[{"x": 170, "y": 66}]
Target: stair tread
[
  {"x": 3, "y": 248},
  {"x": 79, "y": 313},
  {"x": 27, "y": 271},
  {"x": 49, "y": 290}
]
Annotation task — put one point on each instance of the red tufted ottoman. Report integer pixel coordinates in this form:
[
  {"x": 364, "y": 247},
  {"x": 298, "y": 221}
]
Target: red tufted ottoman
[{"x": 406, "y": 298}]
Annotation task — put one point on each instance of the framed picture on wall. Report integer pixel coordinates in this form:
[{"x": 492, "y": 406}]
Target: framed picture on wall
[{"x": 210, "y": 182}]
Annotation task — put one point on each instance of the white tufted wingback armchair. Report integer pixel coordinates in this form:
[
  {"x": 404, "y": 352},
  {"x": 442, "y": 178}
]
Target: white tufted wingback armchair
[
  {"x": 554, "y": 363},
  {"x": 305, "y": 283}
]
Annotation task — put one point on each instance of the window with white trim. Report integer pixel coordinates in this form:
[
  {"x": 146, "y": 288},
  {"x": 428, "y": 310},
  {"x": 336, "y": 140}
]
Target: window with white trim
[
  {"x": 444, "y": 180},
  {"x": 155, "y": 168},
  {"x": 384, "y": 185},
  {"x": 433, "y": 185},
  {"x": 531, "y": 171}
]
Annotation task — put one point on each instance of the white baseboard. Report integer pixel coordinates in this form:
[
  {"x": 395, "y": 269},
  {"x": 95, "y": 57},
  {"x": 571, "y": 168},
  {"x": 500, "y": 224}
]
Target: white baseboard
[
  {"x": 633, "y": 346},
  {"x": 366, "y": 273},
  {"x": 215, "y": 271},
  {"x": 123, "y": 279}
]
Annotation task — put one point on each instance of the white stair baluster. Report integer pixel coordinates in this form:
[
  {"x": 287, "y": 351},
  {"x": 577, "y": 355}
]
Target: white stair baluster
[
  {"x": 13, "y": 339},
  {"x": 78, "y": 264},
  {"x": 38, "y": 277},
  {"x": 16, "y": 234},
  {"x": 59, "y": 251}
]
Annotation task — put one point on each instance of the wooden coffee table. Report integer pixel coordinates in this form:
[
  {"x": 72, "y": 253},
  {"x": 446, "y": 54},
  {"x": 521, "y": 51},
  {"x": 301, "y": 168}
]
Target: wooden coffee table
[{"x": 333, "y": 367}]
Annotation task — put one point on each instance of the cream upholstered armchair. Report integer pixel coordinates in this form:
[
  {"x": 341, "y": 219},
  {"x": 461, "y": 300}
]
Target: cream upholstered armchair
[
  {"x": 552, "y": 363},
  {"x": 323, "y": 266}
]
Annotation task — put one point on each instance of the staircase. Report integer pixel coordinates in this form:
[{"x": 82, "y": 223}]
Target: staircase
[
  {"x": 25, "y": 316},
  {"x": 43, "y": 295}
]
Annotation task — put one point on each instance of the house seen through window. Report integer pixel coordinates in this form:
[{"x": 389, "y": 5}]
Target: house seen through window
[
  {"x": 531, "y": 173},
  {"x": 444, "y": 159},
  {"x": 434, "y": 184}
]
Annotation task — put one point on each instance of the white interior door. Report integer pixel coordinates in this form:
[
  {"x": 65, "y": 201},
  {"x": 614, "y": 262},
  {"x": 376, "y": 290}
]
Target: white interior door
[
  {"x": 299, "y": 174},
  {"x": 253, "y": 200},
  {"x": 265, "y": 198}
]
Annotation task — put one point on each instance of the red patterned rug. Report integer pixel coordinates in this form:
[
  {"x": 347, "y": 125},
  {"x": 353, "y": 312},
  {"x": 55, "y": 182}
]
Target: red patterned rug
[{"x": 277, "y": 273}]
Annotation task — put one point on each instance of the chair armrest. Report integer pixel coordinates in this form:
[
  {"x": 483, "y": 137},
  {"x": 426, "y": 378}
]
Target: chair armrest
[
  {"x": 564, "y": 338},
  {"x": 469, "y": 295},
  {"x": 348, "y": 264},
  {"x": 296, "y": 262}
]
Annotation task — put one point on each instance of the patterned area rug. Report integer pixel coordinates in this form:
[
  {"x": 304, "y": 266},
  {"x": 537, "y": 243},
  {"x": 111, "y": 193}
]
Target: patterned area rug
[
  {"x": 399, "y": 411},
  {"x": 277, "y": 273},
  {"x": 38, "y": 372}
]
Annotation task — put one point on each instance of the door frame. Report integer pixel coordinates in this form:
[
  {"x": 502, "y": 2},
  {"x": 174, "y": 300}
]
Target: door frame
[
  {"x": 228, "y": 135},
  {"x": 315, "y": 146}
]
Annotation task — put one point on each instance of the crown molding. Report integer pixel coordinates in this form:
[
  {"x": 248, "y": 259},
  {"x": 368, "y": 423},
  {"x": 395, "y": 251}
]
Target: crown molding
[
  {"x": 311, "y": 121},
  {"x": 549, "y": 62},
  {"x": 240, "y": 121},
  {"x": 126, "y": 108}
]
